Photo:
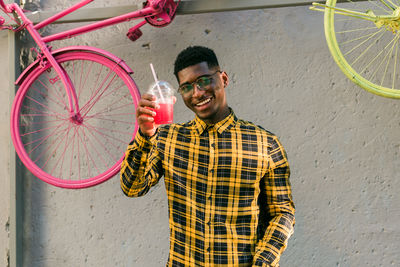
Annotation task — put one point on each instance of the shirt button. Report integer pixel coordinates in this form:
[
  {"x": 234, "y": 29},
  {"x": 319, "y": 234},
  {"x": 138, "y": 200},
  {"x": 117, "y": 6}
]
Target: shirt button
[
  {"x": 208, "y": 223},
  {"x": 213, "y": 145},
  {"x": 208, "y": 249}
]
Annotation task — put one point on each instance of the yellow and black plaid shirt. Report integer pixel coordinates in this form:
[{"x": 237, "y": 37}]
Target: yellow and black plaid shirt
[{"x": 228, "y": 190}]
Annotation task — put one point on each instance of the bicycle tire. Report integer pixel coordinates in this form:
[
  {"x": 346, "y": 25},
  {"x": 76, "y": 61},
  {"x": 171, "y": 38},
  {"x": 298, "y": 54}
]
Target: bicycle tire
[
  {"x": 68, "y": 153},
  {"x": 366, "y": 54}
]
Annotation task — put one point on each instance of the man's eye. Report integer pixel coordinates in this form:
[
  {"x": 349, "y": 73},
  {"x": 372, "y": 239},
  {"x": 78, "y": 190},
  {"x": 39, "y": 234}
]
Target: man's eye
[
  {"x": 186, "y": 88},
  {"x": 203, "y": 81}
]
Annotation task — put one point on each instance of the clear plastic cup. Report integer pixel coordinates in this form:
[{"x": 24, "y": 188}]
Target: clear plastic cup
[{"x": 164, "y": 94}]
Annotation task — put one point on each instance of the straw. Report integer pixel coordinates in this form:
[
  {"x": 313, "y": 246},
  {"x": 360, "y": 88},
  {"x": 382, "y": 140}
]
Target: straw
[{"x": 156, "y": 80}]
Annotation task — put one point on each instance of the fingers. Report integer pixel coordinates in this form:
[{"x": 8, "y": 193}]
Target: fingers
[
  {"x": 148, "y": 100},
  {"x": 144, "y": 118},
  {"x": 144, "y": 111},
  {"x": 145, "y": 114}
]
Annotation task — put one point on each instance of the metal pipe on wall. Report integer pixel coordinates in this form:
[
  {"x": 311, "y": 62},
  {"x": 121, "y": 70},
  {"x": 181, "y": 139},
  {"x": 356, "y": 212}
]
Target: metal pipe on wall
[{"x": 16, "y": 208}]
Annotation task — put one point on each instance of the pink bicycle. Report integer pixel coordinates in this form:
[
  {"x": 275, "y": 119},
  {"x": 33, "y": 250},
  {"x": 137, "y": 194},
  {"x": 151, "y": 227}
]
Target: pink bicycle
[{"x": 74, "y": 112}]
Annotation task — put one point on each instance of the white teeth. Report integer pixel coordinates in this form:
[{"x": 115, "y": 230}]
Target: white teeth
[{"x": 204, "y": 102}]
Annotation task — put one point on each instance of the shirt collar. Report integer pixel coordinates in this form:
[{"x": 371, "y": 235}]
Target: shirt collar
[{"x": 200, "y": 126}]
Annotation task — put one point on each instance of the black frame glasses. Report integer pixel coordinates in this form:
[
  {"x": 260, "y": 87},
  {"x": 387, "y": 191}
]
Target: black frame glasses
[{"x": 202, "y": 83}]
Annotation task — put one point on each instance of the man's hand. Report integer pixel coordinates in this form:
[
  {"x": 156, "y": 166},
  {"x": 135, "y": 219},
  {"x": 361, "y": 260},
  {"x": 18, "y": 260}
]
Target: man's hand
[{"x": 145, "y": 116}]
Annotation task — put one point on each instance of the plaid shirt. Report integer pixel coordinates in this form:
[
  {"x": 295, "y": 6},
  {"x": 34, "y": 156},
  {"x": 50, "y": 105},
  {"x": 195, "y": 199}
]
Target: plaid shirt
[{"x": 228, "y": 188}]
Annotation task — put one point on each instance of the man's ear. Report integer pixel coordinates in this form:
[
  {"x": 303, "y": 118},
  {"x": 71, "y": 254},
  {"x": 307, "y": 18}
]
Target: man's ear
[{"x": 225, "y": 79}]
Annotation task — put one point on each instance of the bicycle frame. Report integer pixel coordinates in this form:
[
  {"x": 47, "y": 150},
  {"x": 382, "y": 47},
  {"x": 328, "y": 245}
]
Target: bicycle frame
[
  {"x": 94, "y": 26},
  {"x": 154, "y": 8}
]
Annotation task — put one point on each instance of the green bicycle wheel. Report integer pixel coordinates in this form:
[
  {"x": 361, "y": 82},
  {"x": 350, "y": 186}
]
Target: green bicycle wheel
[{"x": 366, "y": 47}]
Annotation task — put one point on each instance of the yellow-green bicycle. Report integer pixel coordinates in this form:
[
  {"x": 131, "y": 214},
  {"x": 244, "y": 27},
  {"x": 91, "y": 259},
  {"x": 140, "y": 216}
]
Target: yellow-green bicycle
[{"x": 363, "y": 37}]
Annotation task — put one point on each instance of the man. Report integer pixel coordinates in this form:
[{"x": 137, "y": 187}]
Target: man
[{"x": 227, "y": 180}]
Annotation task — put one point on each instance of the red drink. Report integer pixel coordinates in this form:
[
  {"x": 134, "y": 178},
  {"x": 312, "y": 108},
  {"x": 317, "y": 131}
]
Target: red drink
[
  {"x": 165, "y": 114},
  {"x": 164, "y": 96}
]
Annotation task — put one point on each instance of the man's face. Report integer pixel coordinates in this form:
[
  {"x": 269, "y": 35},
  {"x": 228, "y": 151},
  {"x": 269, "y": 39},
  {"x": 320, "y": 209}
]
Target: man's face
[{"x": 208, "y": 104}]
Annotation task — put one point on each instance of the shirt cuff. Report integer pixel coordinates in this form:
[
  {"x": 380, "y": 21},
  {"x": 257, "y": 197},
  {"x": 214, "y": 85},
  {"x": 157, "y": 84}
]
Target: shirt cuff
[
  {"x": 260, "y": 263},
  {"x": 143, "y": 140}
]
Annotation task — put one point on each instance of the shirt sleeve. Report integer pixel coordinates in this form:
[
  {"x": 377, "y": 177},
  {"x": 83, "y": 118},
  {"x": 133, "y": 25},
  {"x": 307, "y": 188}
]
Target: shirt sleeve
[
  {"x": 141, "y": 167},
  {"x": 276, "y": 202}
]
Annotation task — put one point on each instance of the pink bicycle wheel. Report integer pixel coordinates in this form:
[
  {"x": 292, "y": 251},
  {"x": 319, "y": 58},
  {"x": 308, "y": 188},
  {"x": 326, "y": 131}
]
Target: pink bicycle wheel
[{"x": 72, "y": 153}]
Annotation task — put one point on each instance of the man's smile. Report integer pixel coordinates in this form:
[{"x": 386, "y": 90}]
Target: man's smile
[{"x": 204, "y": 102}]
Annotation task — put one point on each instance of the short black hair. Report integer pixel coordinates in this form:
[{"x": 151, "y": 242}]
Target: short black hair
[{"x": 193, "y": 55}]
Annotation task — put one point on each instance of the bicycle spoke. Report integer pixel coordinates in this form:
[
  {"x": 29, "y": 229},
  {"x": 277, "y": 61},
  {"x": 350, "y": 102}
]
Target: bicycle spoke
[
  {"x": 43, "y": 152},
  {"x": 41, "y": 113},
  {"x": 88, "y": 103},
  {"x": 344, "y": 19},
  {"x": 88, "y": 154},
  {"x": 80, "y": 81},
  {"x": 368, "y": 36},
  {"x": 72, "y": 143},
  {"x": 357, "y": 30},
  {"x": 108, "y": 109},
  {"x": 73, "y": 72},
  {"x": 395, "y": 64},
  {"x": 363, "y": 42},
  {"x": 77, "y": 155},
  {"x": 366, "y": 50},
  {"x": 47, "y": 96},
  {"x": 101, "y": 144},
  {"x": 39, "y": 131},
  {"x": 386, "y": 4},
  {"x": 96, "y": 84},
  {"x": 86, "y": 79},
  {"x": 61, "y": 140},
  {"x": 113, "y": 91},
  {"x": 387, "y": 64},
  {"x": 120, "y": 121},
  {"x": 55, "y": 89},
  {"x": 42, "y": 105},
  {"x": 99, "y": 155},
  {"x": 372, "y": 61},
  {"x": 115, "y": 102},
  {"x": 72, "y": 156},
  {"x": 43, "y": 139},
  {"x": 97, "y": 129},
  {"x": 98, "y": 97},
  {"x": 61, "y": 158},
  {"x": 109, "y": 115},
  {"x": 60, "y": 98},
  {"x": 40, "y": 122},
  {"x": 380, "y": 7},
  {"x": 79, "y": 158},
  {"x": 384, "y": 59}
]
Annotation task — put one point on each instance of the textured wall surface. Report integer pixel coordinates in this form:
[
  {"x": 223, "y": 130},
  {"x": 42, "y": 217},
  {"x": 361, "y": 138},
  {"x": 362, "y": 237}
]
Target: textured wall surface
[
  {"x": 5, "y": 154},
  {"x": 343, "y": 146}
]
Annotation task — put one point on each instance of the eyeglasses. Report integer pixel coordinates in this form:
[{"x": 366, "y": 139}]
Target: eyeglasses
[{"x": 202, "y": 83}]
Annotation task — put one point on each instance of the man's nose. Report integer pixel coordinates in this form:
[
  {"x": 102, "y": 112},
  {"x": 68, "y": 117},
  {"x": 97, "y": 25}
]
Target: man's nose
[{"x": 196, "y": 90}]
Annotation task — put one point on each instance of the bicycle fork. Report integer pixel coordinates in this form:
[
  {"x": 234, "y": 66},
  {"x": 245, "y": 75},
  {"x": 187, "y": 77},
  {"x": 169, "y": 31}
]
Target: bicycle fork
[{"x": 73, "y": 109}]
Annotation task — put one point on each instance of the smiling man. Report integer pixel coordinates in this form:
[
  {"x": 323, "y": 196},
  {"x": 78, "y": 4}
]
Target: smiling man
[{"x": 227, "y": 180}]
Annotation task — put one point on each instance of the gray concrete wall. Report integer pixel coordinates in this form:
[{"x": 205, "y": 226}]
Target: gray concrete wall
[{"x": 342, "y": 142}]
